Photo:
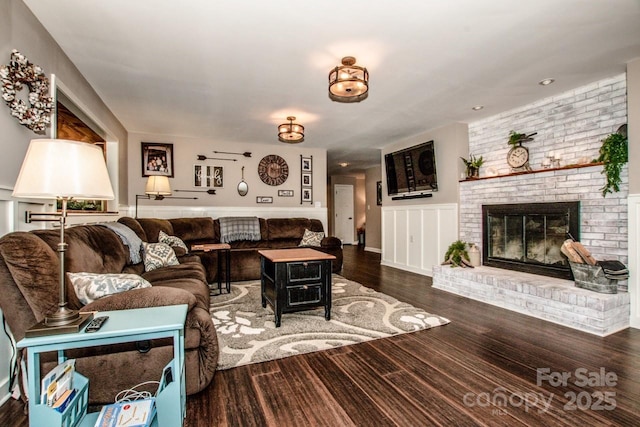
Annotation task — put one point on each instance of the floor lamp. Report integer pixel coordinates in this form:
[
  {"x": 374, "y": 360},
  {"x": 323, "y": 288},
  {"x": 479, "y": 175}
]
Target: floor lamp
[{"x": 62, "y": 169}]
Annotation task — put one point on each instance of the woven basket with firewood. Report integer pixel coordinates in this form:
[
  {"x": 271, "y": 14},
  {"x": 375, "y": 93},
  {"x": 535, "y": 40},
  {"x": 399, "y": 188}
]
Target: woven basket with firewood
[{"x": 588, "y": 273}]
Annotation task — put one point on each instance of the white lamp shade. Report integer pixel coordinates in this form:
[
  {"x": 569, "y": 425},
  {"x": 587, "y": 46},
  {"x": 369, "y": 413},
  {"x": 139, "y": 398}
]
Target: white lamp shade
[
  {"x": 158, "y": 185},
  {"x": 55, "y": 168}
]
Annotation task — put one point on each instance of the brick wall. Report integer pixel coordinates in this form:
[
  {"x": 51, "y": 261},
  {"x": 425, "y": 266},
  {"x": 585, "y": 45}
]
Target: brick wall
[{"x": 573, "y": 124}]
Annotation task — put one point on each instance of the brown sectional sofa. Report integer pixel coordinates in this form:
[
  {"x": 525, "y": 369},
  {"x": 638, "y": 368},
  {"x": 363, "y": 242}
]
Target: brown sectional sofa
[
  {"x": 276, "y": 233},
  {"x": 29, "y": 269}
]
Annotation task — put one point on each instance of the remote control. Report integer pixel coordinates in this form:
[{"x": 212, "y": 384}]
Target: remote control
[{"x": 96, "y": 323}]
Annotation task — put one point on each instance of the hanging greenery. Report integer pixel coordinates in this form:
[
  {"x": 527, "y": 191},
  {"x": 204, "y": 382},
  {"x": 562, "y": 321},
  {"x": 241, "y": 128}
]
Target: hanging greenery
[{"x": 614, "y": 154}]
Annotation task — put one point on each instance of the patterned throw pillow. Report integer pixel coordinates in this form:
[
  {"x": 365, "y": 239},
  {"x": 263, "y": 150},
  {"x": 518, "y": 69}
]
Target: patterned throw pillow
[
  {"x": 173, "y": 241},
  {"x": 158, "y": 255},
  {"x": 91, "y": 286},
  {"x": 311, "y": 238}
]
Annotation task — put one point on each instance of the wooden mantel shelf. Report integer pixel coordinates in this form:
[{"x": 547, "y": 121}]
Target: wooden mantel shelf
[{"x": 583, "y": 165}]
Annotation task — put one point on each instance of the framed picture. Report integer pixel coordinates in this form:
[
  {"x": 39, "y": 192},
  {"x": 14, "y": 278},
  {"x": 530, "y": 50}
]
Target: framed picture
[
  {"x": 198, "y": 180},
  {"x": 264, "y": 199},
  {"x": 285, "y": 193},
  {"x": 306, "y": 164},
  {"x": 307, "y": 195},
  {"x": 157, "y": 159},
  {"x": 215, "y": 176},
  {"x": 306, "y": 180},
  {"x": 379, "y": 193}
]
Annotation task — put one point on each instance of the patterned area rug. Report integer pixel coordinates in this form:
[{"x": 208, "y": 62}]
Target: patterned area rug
[{"x": 247, "y": 332}]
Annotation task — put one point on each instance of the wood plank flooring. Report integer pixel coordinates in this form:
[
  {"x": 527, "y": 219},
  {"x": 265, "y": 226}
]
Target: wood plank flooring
[{"x": 481, "y": 369}]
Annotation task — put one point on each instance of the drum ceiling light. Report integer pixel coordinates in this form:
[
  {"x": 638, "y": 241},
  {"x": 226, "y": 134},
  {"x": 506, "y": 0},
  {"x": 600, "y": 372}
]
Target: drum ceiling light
[
  {"x": 348, "y": 82},
  {"x": 291, "y": 133}
]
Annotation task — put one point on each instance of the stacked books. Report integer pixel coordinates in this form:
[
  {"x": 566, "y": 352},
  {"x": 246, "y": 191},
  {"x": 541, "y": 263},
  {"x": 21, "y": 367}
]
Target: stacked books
[
  {"x": 614, "y": 270},
  {"x": 138, "y": 413}
]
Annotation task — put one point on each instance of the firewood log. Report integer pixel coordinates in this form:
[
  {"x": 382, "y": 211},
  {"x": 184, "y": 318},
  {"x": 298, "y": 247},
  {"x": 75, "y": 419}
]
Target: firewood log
[
  {"x": 568, "y": 249},
  {"x": 584, "y": 253}
]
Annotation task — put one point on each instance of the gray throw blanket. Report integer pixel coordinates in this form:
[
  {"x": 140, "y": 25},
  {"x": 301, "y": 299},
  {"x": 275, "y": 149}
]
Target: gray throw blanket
[
  {"x": 129, "y": 238},
  {"x": 239, "y": 228}
]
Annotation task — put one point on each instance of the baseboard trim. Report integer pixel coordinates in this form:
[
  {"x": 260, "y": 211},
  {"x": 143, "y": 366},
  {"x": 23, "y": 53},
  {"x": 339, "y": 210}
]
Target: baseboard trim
[
  {"x": 370, "y": 249},
  {"x": 423, "y": 272}
]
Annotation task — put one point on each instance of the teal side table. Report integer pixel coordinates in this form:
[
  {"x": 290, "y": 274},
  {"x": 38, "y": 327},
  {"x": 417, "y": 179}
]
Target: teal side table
[{"x": 123, "y": 326}]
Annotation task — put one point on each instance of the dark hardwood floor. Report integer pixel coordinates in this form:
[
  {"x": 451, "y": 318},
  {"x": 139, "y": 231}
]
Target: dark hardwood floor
[{"x": 481, "y": 369}]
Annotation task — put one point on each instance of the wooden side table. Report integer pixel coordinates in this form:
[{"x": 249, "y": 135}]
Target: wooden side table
[
  {"x": 123, "y": 326},
  {"x": 221, "y": 248},
  {"x": 295, "y": 280}
]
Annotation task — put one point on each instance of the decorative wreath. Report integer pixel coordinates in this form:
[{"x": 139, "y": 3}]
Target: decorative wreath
[{"x": 37, "y": 115}]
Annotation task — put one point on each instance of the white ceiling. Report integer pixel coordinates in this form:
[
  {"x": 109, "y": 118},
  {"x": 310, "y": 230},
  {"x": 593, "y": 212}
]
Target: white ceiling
[{"x": 233, "y": 70}]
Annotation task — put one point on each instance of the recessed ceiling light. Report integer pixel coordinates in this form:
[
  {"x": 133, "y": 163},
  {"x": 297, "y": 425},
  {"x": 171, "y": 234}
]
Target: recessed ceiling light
[
  {"x": 546, "y": 82},
  {"x": 344, "y": 164},
  {"x": 477, "y": 107}
]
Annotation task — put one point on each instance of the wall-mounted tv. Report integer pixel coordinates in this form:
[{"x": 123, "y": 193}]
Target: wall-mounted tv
[{"x": 412, "y": 170}]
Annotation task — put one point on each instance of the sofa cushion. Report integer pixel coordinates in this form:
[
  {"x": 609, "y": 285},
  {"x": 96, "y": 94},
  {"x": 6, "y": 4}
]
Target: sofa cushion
[
  {"x": 287, "y": 228},
  {"x": 173, "y": 241},
  {"x": 152, "y": 227},
  {"x": 194, "y": 228},
  {"x": 133, "y": 224},
  {"x": 92, "y": 286},
  {"x": 311, "y": 238},
  {"x": 157, "y": 255}
]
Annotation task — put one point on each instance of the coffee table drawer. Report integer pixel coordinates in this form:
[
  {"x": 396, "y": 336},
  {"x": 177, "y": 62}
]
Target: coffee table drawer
[{"x": 308, "y": 270}]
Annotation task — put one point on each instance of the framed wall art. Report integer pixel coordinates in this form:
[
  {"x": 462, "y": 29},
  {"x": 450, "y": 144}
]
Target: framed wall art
[
  {"x": 379, "y": 193},
  {"x": 157, "y": 159},
  {"x": 306, "y": 179},
  {"x": 198, "y": 181},
  {"x": 215, "y": 176},
  {"x": 285, "y": 193},
  {"x": 264, "y": 199}
]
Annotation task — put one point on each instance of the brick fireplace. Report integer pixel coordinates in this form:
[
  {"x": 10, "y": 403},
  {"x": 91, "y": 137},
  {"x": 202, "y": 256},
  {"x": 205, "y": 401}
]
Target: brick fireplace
[{"x": 572, "y": 125}]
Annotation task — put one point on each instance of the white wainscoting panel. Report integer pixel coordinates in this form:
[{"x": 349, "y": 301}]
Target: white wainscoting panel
[
  {"x": 634, "y": 262},
  {"x": 416, "y": 237}
]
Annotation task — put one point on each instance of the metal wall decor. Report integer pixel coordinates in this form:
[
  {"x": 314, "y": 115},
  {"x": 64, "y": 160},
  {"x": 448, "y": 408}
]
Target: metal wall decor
[
  {"x": 203, "y": 157},
  {"x": 306, "y": 179},
  {"x": 273, "y": 170},
  {"x": 20, "y": 72},
  {"x": 245, "y": 154}
]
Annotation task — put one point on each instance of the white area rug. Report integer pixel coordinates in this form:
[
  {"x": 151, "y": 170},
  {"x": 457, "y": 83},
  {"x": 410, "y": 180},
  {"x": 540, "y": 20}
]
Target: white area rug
[{"x": 247, "y": 332}]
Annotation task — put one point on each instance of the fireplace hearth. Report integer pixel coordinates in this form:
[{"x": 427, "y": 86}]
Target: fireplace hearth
[{"x": 528, "y": 237}]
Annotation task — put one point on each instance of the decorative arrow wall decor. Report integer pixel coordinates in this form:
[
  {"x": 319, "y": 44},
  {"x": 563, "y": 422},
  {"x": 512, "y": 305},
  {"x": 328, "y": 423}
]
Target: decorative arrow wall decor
[
  {"x": 209, "y": 191},
  {"x": 203, "y": 157},
  {"x": 246, "y": 153}
]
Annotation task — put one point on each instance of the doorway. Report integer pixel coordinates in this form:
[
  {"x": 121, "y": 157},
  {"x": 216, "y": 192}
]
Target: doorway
[{"x": 344, "y": 213}]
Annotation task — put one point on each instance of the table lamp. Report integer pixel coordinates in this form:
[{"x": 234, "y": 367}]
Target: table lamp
[{"x": 62, "y": 169}]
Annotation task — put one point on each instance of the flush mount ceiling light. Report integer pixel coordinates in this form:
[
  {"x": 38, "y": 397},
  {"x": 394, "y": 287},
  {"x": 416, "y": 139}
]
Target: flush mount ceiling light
[
  {"x": 477, "y": 107},
  {"x": 291, "y": 132},
  {"x": 343, "y": 164},
  {"x": 546, "y": 82},
  {"x": 348, "y": 82}
]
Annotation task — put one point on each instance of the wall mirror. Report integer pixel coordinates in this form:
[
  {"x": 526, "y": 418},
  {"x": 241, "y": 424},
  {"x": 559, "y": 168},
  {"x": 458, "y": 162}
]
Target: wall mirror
[{"x": 243, "y": 187}]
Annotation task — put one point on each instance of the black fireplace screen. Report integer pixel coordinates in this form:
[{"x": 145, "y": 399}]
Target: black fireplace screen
[{"x": 528, "y": 237}]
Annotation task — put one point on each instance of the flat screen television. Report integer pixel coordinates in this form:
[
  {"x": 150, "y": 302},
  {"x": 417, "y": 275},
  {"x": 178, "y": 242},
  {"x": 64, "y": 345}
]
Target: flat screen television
[{"x": 412, "y": 170}]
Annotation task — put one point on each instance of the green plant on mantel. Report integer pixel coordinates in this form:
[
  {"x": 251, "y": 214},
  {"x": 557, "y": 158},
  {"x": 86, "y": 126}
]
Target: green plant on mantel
[
  {"x": 516, "y": 138},
  {"x": 614, "y": 154},
  {"x": 473, "y": 164}
]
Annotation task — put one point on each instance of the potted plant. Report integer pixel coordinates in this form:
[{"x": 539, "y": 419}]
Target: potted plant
[
  {"x": 473, "y": 164},
  {"x": 516, "y": 138},
  {"x": 457, "y": 255},
  {"x": 614, "y": 154}
]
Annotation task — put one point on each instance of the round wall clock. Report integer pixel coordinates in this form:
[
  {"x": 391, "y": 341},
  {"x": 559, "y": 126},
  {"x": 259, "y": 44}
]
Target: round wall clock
[
  {"x": 273, "y": 170},
  {"x": 518, "y": 158}
]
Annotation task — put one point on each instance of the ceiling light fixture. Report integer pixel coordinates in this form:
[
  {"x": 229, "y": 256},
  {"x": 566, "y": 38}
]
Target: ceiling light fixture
[
  {"x": 348, "y": 82},
  {"x": 477, "y": 107},
  {"x": 291, "y": 132},
  {"x": 343, "y": 164},
  {"x": 546, "y": 82}
]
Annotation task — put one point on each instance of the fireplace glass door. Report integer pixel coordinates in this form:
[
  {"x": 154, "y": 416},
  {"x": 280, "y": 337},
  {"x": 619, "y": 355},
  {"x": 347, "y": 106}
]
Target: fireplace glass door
[{"x": 528, "y": 237}]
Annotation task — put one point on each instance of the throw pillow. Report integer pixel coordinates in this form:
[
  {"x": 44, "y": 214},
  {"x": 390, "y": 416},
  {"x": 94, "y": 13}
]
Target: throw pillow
[
  {"x": 311, "y": 238},
  {"x": 173, "y": 241},
  {"x": 158, "y": 255},
  {"x": 92, "y": 286}
]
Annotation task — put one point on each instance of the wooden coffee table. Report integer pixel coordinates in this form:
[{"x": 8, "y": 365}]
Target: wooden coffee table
[
  {"x": 221, "y": 248},
  {"x": 295, "y": 280}
]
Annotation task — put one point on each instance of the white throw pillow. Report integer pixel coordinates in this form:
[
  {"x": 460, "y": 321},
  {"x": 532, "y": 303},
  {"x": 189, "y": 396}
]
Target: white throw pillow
[
  {"x": 311, "y": 238},
  {"x": 92, "y": 286},
  {"x": 173, "y": 241},
  {"x": 158, "y": 255}
]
